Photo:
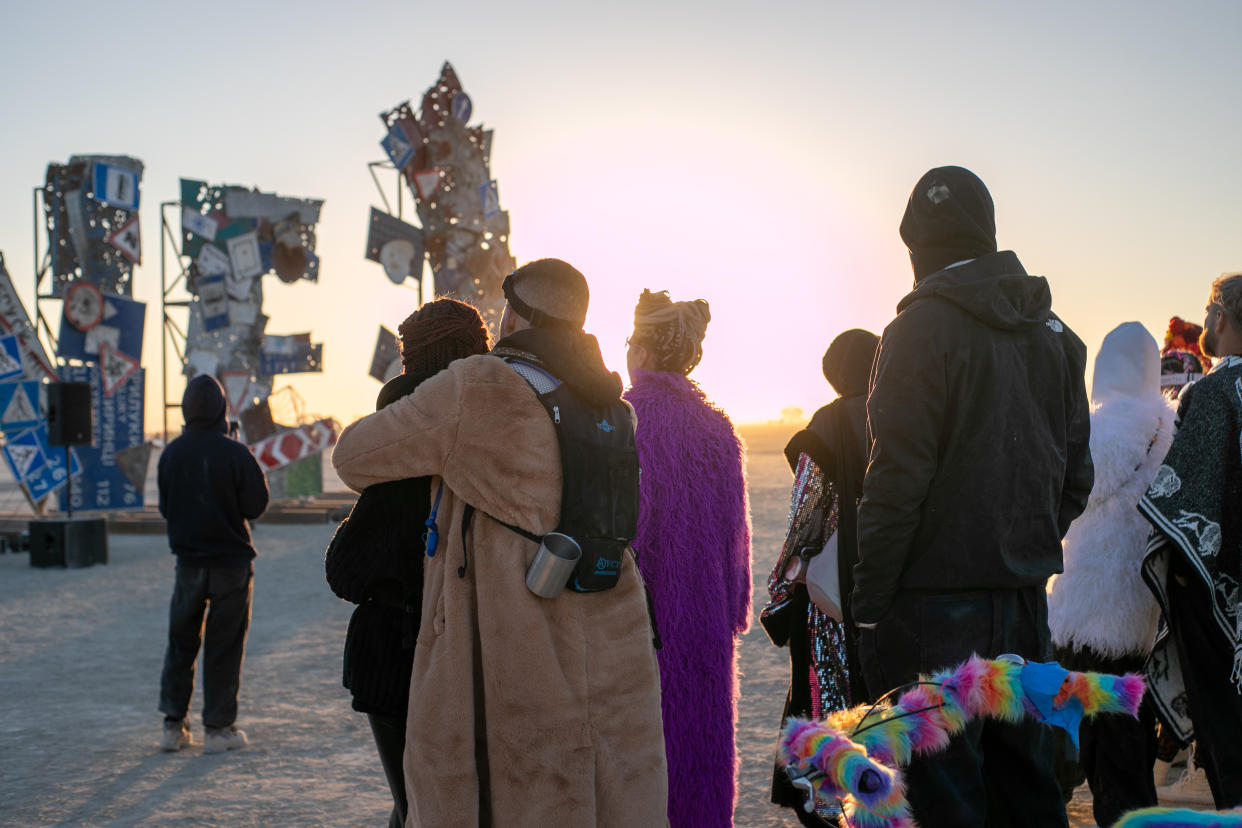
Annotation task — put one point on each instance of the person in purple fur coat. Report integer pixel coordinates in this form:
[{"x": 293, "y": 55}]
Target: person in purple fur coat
[{"x": 693, "y": 549}]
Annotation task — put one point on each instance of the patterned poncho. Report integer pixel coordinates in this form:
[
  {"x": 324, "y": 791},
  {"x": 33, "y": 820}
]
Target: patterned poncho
[{"x": 1195, "y": 507}]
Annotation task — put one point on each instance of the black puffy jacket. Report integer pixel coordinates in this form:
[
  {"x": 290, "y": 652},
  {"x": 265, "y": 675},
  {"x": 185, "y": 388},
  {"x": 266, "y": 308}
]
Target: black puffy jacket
[{"x": 978, "y": 415}]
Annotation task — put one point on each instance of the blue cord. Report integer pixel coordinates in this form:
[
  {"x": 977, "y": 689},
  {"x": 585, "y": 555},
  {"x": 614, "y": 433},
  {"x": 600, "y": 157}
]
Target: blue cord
[{"x": 431, "y": 538}]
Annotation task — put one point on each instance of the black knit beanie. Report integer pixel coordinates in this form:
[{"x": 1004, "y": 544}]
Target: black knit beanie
[{"x": 949, "y": 218}]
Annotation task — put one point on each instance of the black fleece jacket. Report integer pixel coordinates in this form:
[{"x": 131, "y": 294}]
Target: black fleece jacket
[
  {"x": 978, "y": 415},
  {"x": 210, "y": 485}
]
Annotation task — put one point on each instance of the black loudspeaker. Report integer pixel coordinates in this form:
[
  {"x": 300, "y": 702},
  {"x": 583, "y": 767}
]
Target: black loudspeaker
[
  {"x": 68, "y": 542},
  {"x": 69, "y": 415}
]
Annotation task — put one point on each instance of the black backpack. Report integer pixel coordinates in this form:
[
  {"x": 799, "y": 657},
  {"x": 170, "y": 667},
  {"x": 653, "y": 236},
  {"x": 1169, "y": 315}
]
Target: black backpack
[{"x": 599, "y": 491}]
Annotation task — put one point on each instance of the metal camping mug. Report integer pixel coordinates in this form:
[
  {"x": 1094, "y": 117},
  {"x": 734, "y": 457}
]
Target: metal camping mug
[{"x": 552, "y": 566}]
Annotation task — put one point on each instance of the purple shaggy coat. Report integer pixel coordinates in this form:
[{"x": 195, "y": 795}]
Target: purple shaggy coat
[{"x": 693, "y": 549}]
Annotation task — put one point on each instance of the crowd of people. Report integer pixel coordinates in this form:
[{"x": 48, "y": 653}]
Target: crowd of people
[{"x": 552, "y": 571}]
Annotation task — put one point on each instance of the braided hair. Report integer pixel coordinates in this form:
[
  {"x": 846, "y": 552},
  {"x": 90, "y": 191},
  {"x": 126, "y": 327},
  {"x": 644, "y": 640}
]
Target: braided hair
[{"x": 671, "y": 331}]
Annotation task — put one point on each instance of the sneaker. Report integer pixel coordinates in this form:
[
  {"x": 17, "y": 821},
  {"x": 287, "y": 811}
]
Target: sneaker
[
  {"x": 218, "y": 740},
  {"x": 176, "y": 736},
  {"x": 1191, "y": 789}
]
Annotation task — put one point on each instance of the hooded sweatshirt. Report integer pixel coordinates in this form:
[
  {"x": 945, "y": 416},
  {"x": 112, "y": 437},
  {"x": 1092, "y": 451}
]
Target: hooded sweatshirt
[
  {"x": 1101, "y": 602},
  {"x": 979, "y": 422},
  {"x": 210, "y": 484}
]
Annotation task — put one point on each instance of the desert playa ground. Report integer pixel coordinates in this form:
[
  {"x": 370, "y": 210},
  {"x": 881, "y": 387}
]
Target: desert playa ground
[{"x": 80, "y": 657}]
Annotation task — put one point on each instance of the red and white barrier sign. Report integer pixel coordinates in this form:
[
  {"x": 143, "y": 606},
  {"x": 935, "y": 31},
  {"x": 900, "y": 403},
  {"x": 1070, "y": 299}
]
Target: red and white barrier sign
[{"x": 284, "y": 448}]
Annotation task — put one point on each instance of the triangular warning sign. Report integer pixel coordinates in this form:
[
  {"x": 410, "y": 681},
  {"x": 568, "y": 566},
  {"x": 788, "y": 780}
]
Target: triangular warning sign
[
  {"x": 115, "y": 367},
  {"x": 8, "y": 365},
  {"x": 128, "y": 240},
  {"x": 19, "y": 408},
  {"x": 23, "y": 457},
  {"x": 426, "y": 182},
  {"x": 236, "y": 384}
]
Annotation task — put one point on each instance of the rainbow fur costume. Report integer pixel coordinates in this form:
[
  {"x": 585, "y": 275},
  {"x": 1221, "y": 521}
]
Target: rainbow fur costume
[
  {"x": 862, "y": 768},
  {"x": 1178, "y": 818}
]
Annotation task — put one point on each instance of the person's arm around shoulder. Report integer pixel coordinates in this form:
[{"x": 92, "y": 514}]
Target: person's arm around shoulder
[
  {"x": 905, "y": 411},
  {"x": 410, "y": 438}
]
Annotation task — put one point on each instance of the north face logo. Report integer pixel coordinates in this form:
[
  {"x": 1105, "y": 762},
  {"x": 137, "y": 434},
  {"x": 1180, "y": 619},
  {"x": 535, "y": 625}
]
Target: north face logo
[
  {"x": 604, "y": 426},
  {"x": 1055, "y": 325}
]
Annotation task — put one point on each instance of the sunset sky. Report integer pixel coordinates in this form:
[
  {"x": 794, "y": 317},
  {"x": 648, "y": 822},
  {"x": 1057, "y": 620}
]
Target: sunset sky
[{"x": 756, "y": 155}]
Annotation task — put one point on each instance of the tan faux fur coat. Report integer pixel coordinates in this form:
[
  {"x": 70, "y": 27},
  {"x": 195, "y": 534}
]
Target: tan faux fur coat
[{"x": 523, "y": 711}]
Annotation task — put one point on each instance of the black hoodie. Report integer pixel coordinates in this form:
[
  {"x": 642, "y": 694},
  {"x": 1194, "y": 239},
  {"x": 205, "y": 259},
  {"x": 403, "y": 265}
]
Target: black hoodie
[
  {"x": 210, "y": 484},
  {"x": 978, "y": 415}
]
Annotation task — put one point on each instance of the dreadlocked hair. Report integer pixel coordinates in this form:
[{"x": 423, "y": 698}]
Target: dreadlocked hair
[
  {"x": 438, "y": 333},
  {"x": 672, "y": 331}
]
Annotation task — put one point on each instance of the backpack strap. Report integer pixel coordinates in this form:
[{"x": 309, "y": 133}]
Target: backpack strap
[{"x": 467, "y": 516}]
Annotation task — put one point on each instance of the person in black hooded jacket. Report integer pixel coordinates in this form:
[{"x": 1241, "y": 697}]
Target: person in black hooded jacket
[
  {"x": 978, "y": 414},
  {"x": 210, "y": 486}
]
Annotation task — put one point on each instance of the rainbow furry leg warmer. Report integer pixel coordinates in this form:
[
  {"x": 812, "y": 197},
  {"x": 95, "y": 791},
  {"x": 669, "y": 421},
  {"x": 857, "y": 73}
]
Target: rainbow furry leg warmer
[
  {"x": 855, "y": 755},
  {"x": 1179, "y": 818}
]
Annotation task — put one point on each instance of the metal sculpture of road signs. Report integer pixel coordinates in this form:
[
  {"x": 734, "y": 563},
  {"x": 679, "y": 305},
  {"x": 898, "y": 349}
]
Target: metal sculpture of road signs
[
  {"x": 84, "y": 306},
  {"x": 396, "y": 245},
  {"x": 14, "y": 320},
  {"x": 465, "y": 230},
  {"x": 133, "y": 463},
  {"x": 10, "y": 357},
  {"x": 104, "y": 483},
  {"x": 121, "y": 327},
  {"x": 128, "y": 240},
  {"x": 21, "y": 405},
  {"x": 86, "y": 203},
  {"x": 386, "y": 361},
  {"x": 115, "y": 367},
  {"x": 285, "y": 447},
  {"x": 290, "y": 354}
]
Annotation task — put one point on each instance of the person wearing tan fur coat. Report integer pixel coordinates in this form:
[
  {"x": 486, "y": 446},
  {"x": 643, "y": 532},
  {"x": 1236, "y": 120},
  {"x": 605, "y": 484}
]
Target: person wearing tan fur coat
[
  {"x": 1103, "y": 617},
  {"x": 524, "y": 711}
]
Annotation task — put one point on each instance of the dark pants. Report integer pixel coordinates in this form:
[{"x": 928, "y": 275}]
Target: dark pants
[
  {"x": 992, "y": 773},
  {"x": 1215, "y": 707},
  {"x": 224, "y": 595},
  {"x": 1116, "y": 752},
  {"x": 389, "y": 733}
]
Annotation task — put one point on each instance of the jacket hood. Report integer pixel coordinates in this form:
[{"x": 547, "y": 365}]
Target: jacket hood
[
  {"x": 1127, "y": 366},
  {"x": 949, "y": 218},
  {"x": 995, "y": 289},
  {"x": 847, "y": 362},
  {"x": 203, "y": 404}
]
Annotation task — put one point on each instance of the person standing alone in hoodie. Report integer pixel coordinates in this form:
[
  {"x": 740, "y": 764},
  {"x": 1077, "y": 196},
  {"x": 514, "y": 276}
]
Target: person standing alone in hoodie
[
  {"x": 979, "y": 462},
  {"x": 210, "y": 486}
]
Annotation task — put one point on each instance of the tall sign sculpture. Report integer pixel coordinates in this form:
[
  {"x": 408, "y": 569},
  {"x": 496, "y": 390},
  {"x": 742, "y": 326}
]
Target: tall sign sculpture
[
  {"x": 230, "y": 238},
  {"x": 90, "y": 220},
  {"x": 447, "y": 165}
]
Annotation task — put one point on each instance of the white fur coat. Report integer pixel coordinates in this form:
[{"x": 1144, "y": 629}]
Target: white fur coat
[{"x": 1101, "y": 601}]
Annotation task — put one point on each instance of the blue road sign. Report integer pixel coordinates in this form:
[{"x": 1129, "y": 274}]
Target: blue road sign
[
  {"x": 118, "y": 426},
  {"x": 20, "y": 406},
  {"x": 300, "y": 359},
  {"x": 461, "y": 107},
  {"x": 116, "y": 186},
  {"x": 398, "y": 146},
  {"x": 121, "y": 327},
  {"x": 10, "y": 357}
]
